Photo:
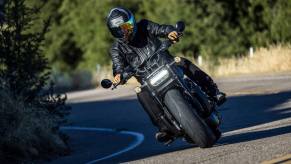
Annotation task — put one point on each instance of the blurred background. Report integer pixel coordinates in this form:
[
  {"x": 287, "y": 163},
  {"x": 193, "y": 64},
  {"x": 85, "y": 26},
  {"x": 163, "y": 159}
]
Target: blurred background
[{"x": 224, "y": 37}]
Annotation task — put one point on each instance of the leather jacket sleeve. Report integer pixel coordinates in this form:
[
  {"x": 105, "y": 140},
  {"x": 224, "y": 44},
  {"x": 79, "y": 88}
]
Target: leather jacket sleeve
[
  {"x": 117, "y": 59},
  {"x": 157, "y": 29}
]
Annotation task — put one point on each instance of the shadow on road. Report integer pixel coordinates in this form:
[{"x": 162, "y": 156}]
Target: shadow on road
[
  {"x": 251, "y": 110},
  {"x": 239, "y": 112}
]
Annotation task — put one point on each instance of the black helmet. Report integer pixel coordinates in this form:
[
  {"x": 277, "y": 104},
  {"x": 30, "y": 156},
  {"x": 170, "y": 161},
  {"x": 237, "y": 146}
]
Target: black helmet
[{"x": 121, "y": 23}]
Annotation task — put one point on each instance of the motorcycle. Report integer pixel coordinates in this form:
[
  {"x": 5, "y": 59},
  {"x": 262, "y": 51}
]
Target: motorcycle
[{"x": 175, "y": 99}]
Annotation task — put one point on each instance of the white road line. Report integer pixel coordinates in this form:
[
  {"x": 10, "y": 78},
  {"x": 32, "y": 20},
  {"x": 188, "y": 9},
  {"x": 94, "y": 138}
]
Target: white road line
[
  {"x": 138, "y": 140},
  {"x": 271, "y": 125}
]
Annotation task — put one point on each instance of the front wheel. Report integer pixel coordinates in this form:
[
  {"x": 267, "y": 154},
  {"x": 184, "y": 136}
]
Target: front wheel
[{"x": 190, "y": 121}]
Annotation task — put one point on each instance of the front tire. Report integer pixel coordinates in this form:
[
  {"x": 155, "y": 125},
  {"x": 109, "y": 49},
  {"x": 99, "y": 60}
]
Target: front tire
[{"x": 190, "y": 121}]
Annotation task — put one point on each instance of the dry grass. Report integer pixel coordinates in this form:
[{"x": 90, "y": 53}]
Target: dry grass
[{"x": 265, "y": 60}]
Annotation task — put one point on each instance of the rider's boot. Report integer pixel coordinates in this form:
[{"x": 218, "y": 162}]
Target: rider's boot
[
  {"x": 215, "y": 94},
  {"x": 163, "y": 137},
  {"x": 220, "y": 98}
]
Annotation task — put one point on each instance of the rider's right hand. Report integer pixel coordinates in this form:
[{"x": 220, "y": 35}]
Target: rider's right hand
[
  {"x": 117, "y": 79},
  {"x": 173, "y": 36}
]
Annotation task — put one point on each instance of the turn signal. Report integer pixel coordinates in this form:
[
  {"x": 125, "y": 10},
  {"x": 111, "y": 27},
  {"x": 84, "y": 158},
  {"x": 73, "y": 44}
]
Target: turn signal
[
  {"x": 137, "y": 89},
  {"x": 177, "y": 59}
]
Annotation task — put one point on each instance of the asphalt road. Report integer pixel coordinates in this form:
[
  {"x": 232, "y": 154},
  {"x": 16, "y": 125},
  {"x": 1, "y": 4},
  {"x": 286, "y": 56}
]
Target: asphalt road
[{"x": 111, "y": 126}]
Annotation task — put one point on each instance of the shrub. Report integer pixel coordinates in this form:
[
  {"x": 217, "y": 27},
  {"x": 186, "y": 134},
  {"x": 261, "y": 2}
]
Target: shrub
[{"x": 30, "y": 130}]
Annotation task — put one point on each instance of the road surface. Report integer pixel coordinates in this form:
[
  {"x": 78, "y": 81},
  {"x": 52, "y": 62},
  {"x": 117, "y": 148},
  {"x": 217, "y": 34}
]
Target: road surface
[{"x": 111, "y": 126}]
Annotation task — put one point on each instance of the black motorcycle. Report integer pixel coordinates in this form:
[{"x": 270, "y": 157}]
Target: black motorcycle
[{"x": 176, "y": 100}]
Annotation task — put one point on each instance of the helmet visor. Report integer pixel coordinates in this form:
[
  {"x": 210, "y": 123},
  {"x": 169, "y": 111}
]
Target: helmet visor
[{"x": 124, "y": 30}]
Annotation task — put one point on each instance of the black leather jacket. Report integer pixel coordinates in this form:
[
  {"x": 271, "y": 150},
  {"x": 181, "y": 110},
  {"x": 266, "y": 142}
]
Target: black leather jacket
[{"x": 140, "y": 47}]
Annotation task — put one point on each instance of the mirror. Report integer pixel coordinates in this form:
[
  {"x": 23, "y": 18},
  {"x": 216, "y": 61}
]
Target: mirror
[
  {"x": 180, "y": 26},
  {"x": 106, "y": 83}
]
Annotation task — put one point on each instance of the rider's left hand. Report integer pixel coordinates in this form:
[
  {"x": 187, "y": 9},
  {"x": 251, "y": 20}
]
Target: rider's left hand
[
  {"x": 173, "y": 36},
  {"x": 117, "y": 79}
]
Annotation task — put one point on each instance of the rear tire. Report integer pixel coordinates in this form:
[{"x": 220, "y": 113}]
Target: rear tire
[{"x": 192, "y": 124}]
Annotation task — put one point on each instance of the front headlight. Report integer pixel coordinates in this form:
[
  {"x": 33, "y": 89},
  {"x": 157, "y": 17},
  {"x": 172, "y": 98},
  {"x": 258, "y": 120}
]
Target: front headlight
[{"x": 159, "y": 77}]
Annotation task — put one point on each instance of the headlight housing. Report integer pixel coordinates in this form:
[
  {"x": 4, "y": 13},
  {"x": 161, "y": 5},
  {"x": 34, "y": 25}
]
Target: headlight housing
[{"x": 159, "y": 77}]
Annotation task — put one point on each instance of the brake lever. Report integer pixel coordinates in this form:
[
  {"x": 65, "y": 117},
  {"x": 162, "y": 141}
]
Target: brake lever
[
  {"x": 115, "y": 86},
  {"x": 180, "y": 34}
]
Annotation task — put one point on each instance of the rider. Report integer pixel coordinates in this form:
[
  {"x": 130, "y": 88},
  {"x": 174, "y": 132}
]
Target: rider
[{"x": 136, "y": 41}]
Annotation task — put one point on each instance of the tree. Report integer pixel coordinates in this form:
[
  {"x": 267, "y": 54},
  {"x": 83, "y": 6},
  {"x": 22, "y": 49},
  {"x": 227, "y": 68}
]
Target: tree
[
  {"x": 80, "y": 30},
  {"x": 79, "y": 38},
  {"x": 24, "y": 67},
  {"x": 29, "y": 111}
]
